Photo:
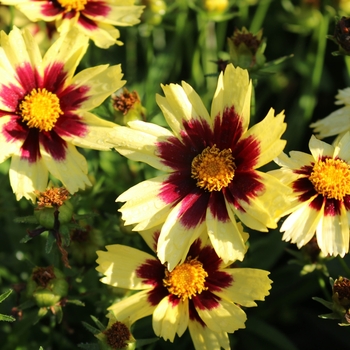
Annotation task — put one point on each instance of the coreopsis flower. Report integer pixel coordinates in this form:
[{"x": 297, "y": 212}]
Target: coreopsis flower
[
  {"x": 321, "y": 195},
  {"x": 44, "y": 111},
  {"x": 338, "y": 122},
  {"x": 94, "y": 18},
  {"x": 202, "y": 293},
  {"x": 211, "y": 163}
]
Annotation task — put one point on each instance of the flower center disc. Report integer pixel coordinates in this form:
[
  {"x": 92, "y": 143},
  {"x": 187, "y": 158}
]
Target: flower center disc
[
  {"x": 186, "y": 279},
  {"x": 40, "y": 109},
  {"x": 331, "y": 178},
  {"x": 69, "y": 5},
  {"x": 213, "y": 169}
]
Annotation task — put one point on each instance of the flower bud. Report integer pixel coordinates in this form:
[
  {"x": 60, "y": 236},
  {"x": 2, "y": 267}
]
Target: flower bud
[
  {"x": 47, "y": 285},
  {"x": 246, "y": 49},
  {"x": 84, "y": 244},
  {"x": 128, "y": 106}
]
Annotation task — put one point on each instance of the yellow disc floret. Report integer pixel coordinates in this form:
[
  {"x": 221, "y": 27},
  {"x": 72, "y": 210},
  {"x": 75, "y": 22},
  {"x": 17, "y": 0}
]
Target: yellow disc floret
[
  {"x": 186, "y": 280},
  {"x": 76, "y": 5},
  {"x": 331, "y": 178},
  {"x": 40, "y": 109},
  {"x": 213, "y": 169}
]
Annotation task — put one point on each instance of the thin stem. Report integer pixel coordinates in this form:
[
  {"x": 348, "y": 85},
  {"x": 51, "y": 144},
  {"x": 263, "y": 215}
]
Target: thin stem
[
  {"x": 344, "y": 266},
  {"x": 259, "y": 16}
]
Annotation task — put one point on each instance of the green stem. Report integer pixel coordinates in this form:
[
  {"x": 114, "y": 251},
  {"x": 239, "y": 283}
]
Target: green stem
[
  {"x": 259, "y": 16},
  {"x": 344, "y": 266}
]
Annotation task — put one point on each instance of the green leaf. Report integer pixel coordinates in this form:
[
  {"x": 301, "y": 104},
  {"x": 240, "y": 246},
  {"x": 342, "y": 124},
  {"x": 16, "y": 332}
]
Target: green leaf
[
  {"x": 7, "y": 318},
  {"x": 90, "y": 328},
  {"x": 75, "y": 302},
  {"x": 5, "y": 295},
  {"x": 98, "y": 323},
  {"x": 325, "y": 303},
  {"x": 142, "y": 342},
  {"x": 49, "y": 243},
  {"x": 26, "y": 220}
]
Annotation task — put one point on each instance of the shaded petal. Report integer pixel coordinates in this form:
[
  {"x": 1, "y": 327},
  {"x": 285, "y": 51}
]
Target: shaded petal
[
  {"x": 342, "y": 149},
  {"x": 71, "y": 171},
  {"x": 332, "y": 233},
  {"x": 142, "y": 200},
  {"x": 175, "y": 239},
  {"x": 169, "y": 319},
  {"x": 265, "y": 209},
  {"x": 300, "y": 226},
  {"x": 226, "y": 238},
  {"x": 119, "y": 265},
  {"x": 8, "y": 147},
  {"x": 134, "y": 307},
  {"x": 319, "y": 148},
  {"x": 248, "y": 285},
  {"x": 102, "y": 81},
  {"x": 26, "y": 177},
  {"x": 179, "y": 108},
  {"x": 139, "y": 145},
  {"x": 268, "y": 132},
  {"x": 97, "y": 134},
  {"x": 68, "y": 50},
  {"x": 233, "y": 90},
  {"x": 334, "y": 124},
  {"x": 225, "y": 317},
  {"x": 117, "y": 15},
  {"x": 205, "y": 339}
]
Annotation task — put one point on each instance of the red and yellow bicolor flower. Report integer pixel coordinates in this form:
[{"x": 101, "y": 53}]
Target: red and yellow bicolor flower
[
  {"x": 202, "y": 293},
  {"x": 210, "y": 162},
  {"x": 95, "y": 18},
  {"x": 320, "y": 197},
  {"x": 44, "y": 111}
]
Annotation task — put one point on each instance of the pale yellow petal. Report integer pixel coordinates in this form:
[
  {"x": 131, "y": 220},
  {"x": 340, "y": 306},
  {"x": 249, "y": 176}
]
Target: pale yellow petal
[
  {"x": 334, "y": 124},
  {"x": 119, "y": 264},
  {"x": 97, "y": 136},
  {"x": 143, "y": 200},
  {"x": 26, "y": 177},
  {"x": 268, "y": 133},
  {"x": 234, "y": 89},
  {"x": 178, "y": 107},
  {"x": 226, "y": 238},
  {"x": 169, "y": 319},
  {"x": 69, "y": 49},
  {"x": 175, "y": 239},
  {"x": 248, "y": 285},
  {"x": 225, "y": 317},
  {"x": 71, "y": 171},
  {"x": 342, "y": 149},
  {"x": 138, "y": 146},
  {"x": 7, "y": 148},
  {"x": 319, "y": 148},
  {"x": 102, "y": 81},
  {"x": 134, "y": 307},
  {"x": 205, "y": 339},
  {"x": 300, "y": 226},
  {"x": 332, "y": 234}
]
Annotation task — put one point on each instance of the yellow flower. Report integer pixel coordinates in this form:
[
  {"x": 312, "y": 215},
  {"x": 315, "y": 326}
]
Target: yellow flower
[
  {"x": 202, "y": 294},
  {"x": 94, "y": 18},
  {"x": 338, "y": 122},
  {"x": 320, "y": 201},
  {"x": 44, "y": 111},
  {"x": 210, "y": 163}
]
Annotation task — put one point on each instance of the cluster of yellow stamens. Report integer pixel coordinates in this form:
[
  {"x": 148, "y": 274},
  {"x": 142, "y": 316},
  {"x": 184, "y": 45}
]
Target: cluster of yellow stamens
[
  {"x": 40, "y": 109},
  {"x": 76, "y": 5},
  {"x": 186, "y": 280},
  {"x": 213, "y": 169},
  {"x": 331, "y": 178}
]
